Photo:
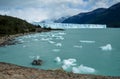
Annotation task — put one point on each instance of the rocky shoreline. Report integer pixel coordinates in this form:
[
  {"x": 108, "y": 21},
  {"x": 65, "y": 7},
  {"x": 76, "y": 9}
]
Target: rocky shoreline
[
  {"x": 7, "y": 40},
  {"x": 11, "y": 71}
]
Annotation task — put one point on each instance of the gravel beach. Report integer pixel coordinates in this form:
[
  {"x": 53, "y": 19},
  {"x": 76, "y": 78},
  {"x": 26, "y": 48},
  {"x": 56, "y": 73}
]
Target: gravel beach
[{"x": 11, "y": 71}]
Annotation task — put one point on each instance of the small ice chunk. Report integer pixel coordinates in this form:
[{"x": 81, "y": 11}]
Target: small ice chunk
[
  {"x": 56, "y": 50},
  {"x": 35, "y": 39},
  {"x": 77, "y": 46},
  {"x": 24, "y": 46},
  {"x": 67, "y": 63},
  {"x": 83, "y": 69},
  {"x": 45, "y": 39},
  {"x": 59, "y": 44},
  {"x": 37, "y": 57},
  {"x": 57, "y": 59},
  {"x": 86, "y": 41},
  {"x": 51, "y": 42},
  {"x": 107, "y": 47},
  {"x": 62, "y": 33},
  {"x": 59, "y": 37}
]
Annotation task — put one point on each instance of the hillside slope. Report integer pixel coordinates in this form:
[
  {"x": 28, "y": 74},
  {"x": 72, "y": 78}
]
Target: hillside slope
[
  {"x": 12, "y": 25},
  {"x": 110, "y": 17}
]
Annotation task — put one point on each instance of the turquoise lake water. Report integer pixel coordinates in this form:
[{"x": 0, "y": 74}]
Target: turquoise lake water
[{"x": 89, "y": 51}]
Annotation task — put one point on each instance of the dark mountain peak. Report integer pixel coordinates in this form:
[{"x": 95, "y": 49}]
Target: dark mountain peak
[
  {"x": 99, "y": 10},
  {"x": 96, "y": 11},
  {"x": 115, "y": 6},
  {"x": 109, "y": 16}
]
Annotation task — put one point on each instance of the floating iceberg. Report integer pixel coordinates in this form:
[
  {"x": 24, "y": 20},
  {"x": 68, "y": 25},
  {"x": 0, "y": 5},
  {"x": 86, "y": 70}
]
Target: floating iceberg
[
  {"x": 56, "y": 50},
  {"x": 59, "y": 44},
  {"x": 62, "y": 33},
  {"x": 59, "y": 37},
  {"x": 67, "y": 63},
  {"x": 46, "y": 39},
  {"x": 51, "y": 42},
  {"x": 87, "y": 41},
  {"x": 71, "y": 65},
  {"x": 107, "y": 47},
  {"x": 83, "y": 69},
  {"x": 37, "y": 57},
  {"x": 77, "y": 46},
  {"x": 57, "y": 59}
]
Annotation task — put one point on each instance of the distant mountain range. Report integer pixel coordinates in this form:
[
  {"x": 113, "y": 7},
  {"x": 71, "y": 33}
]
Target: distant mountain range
[
  {"x": 59, "y": 20},
  {"x": 46, "y": 21},
  {"x": 109, "y": 16}
]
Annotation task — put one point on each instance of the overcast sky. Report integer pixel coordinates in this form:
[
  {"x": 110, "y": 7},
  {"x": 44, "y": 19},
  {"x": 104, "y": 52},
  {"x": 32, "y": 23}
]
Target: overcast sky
[{"x": 38, "y": 10}]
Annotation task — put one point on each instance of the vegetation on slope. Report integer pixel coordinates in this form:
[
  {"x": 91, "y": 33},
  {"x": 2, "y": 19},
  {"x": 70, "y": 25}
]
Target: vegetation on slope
[{"x": 12, "y": 25}]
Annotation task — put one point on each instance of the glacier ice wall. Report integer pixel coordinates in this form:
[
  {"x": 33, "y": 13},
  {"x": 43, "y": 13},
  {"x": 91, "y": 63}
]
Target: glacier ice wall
[{"x": 70, "y": 26}]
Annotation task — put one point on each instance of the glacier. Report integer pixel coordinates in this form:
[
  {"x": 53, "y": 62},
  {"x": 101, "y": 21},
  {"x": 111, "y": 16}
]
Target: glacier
[{"x": 71, "y": 26}]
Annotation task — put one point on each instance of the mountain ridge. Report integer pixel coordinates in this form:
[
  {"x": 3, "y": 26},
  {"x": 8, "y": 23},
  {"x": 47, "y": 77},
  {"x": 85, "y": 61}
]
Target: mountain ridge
[{"x": 109, "y": 16}]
